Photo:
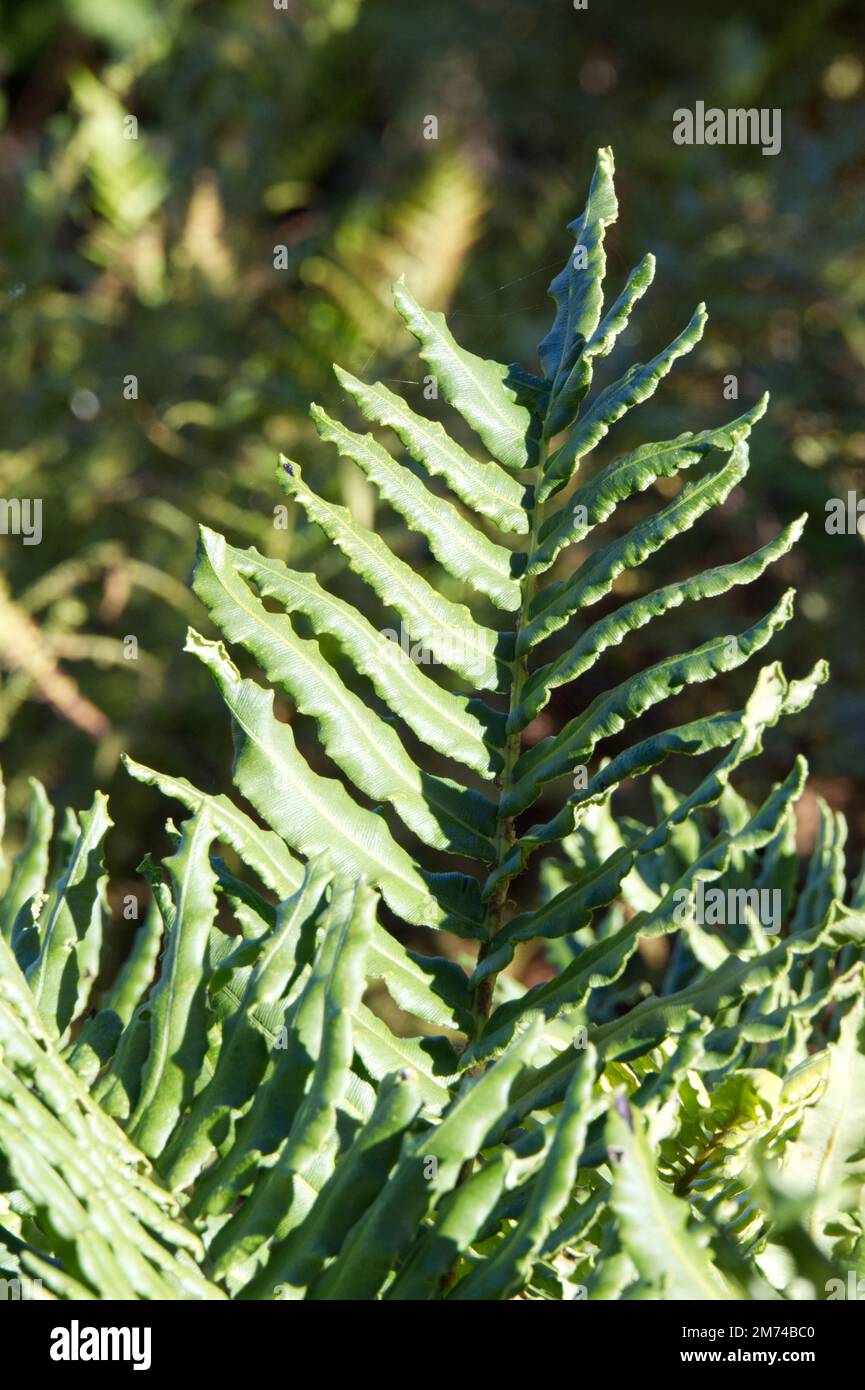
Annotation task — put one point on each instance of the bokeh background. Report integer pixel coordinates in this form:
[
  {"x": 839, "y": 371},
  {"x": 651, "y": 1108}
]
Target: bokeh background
[{"x": 303, "y": 127}]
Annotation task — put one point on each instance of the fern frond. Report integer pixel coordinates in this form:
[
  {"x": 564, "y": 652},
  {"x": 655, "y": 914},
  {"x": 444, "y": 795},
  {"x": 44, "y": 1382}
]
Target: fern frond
[{"x": 256, "y": 1117}]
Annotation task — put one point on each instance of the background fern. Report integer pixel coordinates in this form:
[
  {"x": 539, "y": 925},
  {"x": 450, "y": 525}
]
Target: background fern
[{"x": 260, "y": 133}]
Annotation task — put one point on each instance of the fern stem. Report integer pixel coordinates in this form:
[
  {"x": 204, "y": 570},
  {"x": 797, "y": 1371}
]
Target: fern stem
[{"x": 505, "y": 832}]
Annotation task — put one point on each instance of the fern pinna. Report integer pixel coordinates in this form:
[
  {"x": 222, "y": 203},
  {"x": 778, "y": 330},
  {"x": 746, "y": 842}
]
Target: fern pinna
[{"x": 268, "y": 1134}]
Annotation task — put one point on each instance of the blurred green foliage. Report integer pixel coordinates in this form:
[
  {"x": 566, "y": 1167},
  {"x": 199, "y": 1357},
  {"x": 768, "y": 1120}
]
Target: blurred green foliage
[{"x": 280, "y": 179}]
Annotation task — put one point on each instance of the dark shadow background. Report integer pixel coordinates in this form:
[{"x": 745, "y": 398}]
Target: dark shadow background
[{"x": 303, "y": 128}]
